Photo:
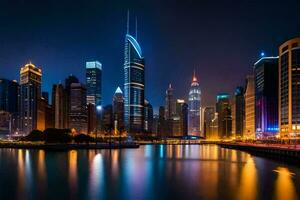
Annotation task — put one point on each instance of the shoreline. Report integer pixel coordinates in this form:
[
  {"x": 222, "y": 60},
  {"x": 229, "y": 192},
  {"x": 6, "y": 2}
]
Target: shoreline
[
  {"x": 280, "y": 152},
  {"x": 63, "y": 147}
]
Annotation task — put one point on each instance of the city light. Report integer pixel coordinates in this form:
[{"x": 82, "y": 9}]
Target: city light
[{"x": 185, "y": 106}]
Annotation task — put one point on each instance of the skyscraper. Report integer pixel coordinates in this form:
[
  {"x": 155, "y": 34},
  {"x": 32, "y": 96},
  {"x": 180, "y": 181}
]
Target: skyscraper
[
  {"x": 9, "y": 95},
  {"x": 118, "y": 110},
  {"x": 93, "y": 82},
  {"x": 78, "y": 110},
  {"x": 91, "y": 122},
  {"x": 209, "y": 115},
  {"x": 249, "y": 95},
  {"x": 170, "y": 103},
  {"x": 58, "y": 105},
  {"x": 161, "y": 122},
  {"x": 94, "y": 90},
  {"x": 9, "y": 101},
  {"x": 69, "y": 80},
  {"x": 266, "y": 97},
  {"x": 107, "y": 119},
  {"x": 239, "y": 113},
  {"x": 289, "y": 89},
  {"x": 223, "y": 109},
  {"x": 180, "y": 119},
  {"x": 30, "y": 94},
  {"x": 45, "y": 115},
  {"x": 148, "y": 117},
  {"x": 134, "y": 85},
  {"x": 195, "y": 120}
]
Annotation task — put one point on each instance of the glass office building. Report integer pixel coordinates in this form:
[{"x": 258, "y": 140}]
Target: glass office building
[{"x": 134, "y": 84}]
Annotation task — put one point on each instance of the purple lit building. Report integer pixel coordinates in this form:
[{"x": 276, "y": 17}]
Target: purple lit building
[{"x": 266, "y": 97}]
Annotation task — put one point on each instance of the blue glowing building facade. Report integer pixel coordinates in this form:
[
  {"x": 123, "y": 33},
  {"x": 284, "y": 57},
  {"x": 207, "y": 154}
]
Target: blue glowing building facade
[
  {"x": 93, "y": 83},
  {"x": 134, "y": 84},
  {"x": 266, "y": 97},
  {"x": 94, "y": 91}
]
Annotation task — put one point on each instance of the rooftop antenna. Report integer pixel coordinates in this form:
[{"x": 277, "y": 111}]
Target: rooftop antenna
[{"x": 128, "y": 21}]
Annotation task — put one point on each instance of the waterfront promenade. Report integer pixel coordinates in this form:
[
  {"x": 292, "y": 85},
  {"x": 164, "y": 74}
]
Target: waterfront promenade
[{"x": 267, "y": 149}]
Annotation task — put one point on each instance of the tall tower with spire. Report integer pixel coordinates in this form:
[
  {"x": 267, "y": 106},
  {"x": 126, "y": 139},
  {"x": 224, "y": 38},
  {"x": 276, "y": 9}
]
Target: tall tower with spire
[
  {"x": 134, "y": 84},
  {"x": 170, "y": 103},
  {"x": 194, "y": 115}
]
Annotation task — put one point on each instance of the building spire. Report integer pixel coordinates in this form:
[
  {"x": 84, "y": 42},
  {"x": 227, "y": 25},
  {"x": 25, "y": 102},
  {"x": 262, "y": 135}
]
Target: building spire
[
  {"x": 194, "y": 76},
  {"x": 128, "y": 21},
  {"x": 136, "y": 29}
]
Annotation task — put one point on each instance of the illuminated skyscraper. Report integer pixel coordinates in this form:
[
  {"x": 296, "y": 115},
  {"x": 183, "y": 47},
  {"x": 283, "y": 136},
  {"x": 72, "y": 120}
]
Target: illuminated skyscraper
[
  {"x": 194, "y": 118},
  {"x": 134, "y": 85},
  {"x": 94, "y": 90},
  {"x": 289, "y": 89},
  {"x": 71, "y": 79},
  {"x": 93, "y": 83},
  {"x": 266, "y": 97},
  {"x": 249, "y": 131},
  {"x": 180, "y": 119},
  {"x": 30, "y": 94},
  {"x": 223, "y": 109},
  {"x": 78, "y": 110}
]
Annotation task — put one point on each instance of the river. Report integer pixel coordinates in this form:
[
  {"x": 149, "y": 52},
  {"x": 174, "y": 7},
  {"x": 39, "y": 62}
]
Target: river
[{"x": 150, "y": 172}]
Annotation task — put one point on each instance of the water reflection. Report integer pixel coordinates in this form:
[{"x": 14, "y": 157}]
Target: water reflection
[
  {"x": 21, "y": 174},
  {"x": 72, "y": 155},
  {"x": 96, "y": 176},
  {"x": 150, "y": 172},
  {"x": 284, "y": 185},
  {"x": 248, "y": 182}
]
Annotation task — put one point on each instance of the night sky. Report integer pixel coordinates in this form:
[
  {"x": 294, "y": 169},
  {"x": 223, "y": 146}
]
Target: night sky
[{"x": 220, "y": 39}]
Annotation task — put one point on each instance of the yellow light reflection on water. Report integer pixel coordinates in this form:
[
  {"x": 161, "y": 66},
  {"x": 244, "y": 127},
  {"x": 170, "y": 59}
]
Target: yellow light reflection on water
[
  {"x": 41, "y": 166},
  {"x": 21, "y": 172},
  {"x": 284, "y": 185},
  {"x": 72, "y": 155},
  {"x": 115, "y": 162},
  {"x": 248, "y": 181}
]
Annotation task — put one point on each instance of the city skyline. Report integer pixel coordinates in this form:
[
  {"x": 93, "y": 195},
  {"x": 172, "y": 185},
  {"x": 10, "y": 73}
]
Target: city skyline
[{"x": 65, "y": 52}]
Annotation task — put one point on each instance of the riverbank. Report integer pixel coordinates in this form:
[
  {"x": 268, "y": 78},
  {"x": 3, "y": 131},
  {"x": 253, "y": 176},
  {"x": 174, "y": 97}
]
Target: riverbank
[
  {"x": 68, "y": 146},
  {"x": 177, "y": 142},
  {"x": 273, "y": 150}
]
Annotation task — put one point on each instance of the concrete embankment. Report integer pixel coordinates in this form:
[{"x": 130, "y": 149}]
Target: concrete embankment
[
  {"x": 281, "y": 151},
  {"x": 177, "y": 142},
  {"x": 60, "y": 147}
]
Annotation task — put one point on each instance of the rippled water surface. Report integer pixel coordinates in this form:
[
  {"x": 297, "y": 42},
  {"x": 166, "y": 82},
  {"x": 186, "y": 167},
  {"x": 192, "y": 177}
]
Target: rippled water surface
[{"x": 150, "y": 172}]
